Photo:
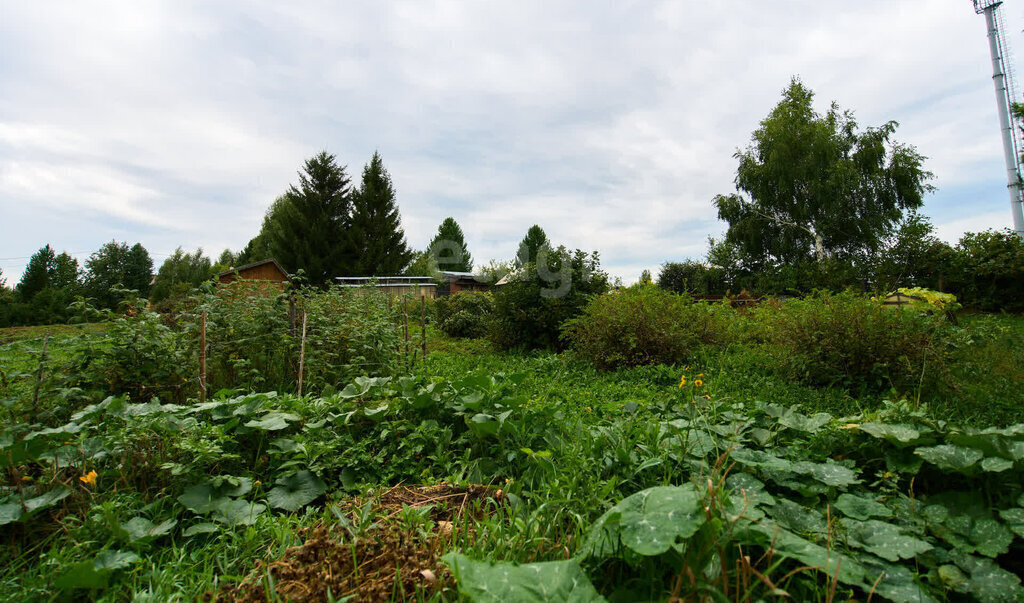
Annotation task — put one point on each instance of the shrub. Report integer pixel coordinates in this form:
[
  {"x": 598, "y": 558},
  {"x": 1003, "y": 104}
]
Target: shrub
[
  {"x": 646, "y": 325},
  {"x": 988, "y": 271},
  {"x": 253, "y": 343},
  {"x": 529, "y": 310},
  {"x": 464, "y": 314},
  {"x": 850, "y": 340},
  {"x": 692, "y": 277}
]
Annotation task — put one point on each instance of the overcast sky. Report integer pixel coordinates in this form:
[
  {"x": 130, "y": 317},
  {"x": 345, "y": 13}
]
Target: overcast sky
[{"x": 610, "y": 124}]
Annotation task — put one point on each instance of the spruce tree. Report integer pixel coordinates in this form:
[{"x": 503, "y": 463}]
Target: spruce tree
[
  {"x": 310, "y": 230},
  {"x": 449, "y": 248},
  {"x": 376, "y": 226},
  {"x": 533, "y": 242},
  {"x": 138, "y": 271},
  {"x": 38, "y": 273}
]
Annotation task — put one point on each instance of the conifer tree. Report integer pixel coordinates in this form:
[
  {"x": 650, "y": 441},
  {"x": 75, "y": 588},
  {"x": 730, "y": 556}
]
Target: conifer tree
[
  {"x": 448, "y": 248},
  {"x": 376, "y": 225},
  {"x": 310, "y": 230},
  {"x": 533, "y": 242},
  {"x": 37, "y": 274}
]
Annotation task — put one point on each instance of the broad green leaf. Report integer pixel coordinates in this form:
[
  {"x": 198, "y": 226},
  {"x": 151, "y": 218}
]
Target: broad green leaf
[
  {"x": 484, "y": 582},
  {"x": 829, "y": 562},
  {"x": 273, "y": 421},
  {"x": 48, "y": 499},
  {"x": 797, "y": 518},
  {"x": 897, "y": 433},
  {"x": 949, "y": 457},
  {"x": 861, "y": 507},
  {"x": 885, "y": 540},
  {"x": 202, "y": 498},
  {"x": 95, "y": 574},
  {"x": 996, "y": 464},
  {"x": 964, "y": 520},
  {"x": 483, "y": 425},
  {"x": 294, "y": 491},
  {"x": 987, "y": 581},
  {"x": 1015, "y": 519},
  {"x": 748, "y": 487},
  {"x": 112, "y": 560},
  {"x": 238, "y": 512},
  {"x": 9, "y": 513},
  {"x": 142, "y": 529},
  {"x": 829, "y": 473},
  {"x": 800, "y": 422},
  {"x": 648, "y": 522},
  {"x": 201, "y": 528}
]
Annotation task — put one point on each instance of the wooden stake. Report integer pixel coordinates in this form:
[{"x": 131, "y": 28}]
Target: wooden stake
[
  {"x": 405, "y": 314},
  {"x": 202, "y": 357},
  {"x": 302, "y": 353},
  {"x": 39, "y": 377},
  {"x": 423, "y": 328}
]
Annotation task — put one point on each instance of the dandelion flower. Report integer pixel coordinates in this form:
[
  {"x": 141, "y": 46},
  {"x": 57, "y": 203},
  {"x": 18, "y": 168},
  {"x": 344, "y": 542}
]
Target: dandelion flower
[
  {"x": 89, "y": 479},
  {"x": 698, "y": 382}
]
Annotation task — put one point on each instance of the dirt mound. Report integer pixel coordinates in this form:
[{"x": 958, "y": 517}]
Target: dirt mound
[{"x": 390, "y": 560}]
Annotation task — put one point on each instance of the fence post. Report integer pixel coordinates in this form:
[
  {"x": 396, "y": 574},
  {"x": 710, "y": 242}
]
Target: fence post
[
  {"x": 202, "y": 357},
  {"x": 423, "y": 328},
  {"x": 39, "y": 377},
  {"x": 302, "y": 353},
  {"x": 405, "y": 328}
]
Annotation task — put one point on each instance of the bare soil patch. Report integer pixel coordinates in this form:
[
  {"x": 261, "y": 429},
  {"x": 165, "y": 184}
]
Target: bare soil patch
[{"x": 389, "y": 561}]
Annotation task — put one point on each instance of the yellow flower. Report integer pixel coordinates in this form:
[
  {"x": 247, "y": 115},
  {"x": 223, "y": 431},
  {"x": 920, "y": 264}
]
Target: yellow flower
[
  {"x": 257, "y": 483},
  {"x": 698, "y": 382},
  {"x": 707, "y": 397},
  {"x": 26, "y": 478},
  {"x": 682, "y": 381},
  {"x": 89, "y": 478},
  {"x": 700, "y": 374}
]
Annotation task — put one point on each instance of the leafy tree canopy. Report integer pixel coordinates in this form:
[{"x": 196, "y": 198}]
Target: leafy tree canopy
[
  {"x": 180, "y": 273},
  {"x": 376, "y": 225},
  {"x": 309, "y": 231},
  {"x": 258, "y": 248},
  {"x": 117, "y": 265},
  {"x": 534, "y": 240},
  {"x": 448, "y": 248},
  {"x": 814, "y": 186}
]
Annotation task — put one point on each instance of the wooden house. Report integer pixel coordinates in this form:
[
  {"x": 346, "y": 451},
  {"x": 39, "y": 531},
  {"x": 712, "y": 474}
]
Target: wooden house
[{"x": 267, "y": 270}]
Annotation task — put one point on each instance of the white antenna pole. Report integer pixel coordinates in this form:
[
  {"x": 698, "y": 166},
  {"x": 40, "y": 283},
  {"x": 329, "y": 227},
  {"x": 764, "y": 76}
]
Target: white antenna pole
[{"x": 1003, "y": 100}]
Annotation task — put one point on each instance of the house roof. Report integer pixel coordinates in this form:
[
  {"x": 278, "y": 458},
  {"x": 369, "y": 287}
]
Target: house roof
[{"x": 235, "y": 269}]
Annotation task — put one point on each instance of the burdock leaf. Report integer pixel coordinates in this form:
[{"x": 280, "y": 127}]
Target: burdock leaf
[{"x": 294, "y": 491}]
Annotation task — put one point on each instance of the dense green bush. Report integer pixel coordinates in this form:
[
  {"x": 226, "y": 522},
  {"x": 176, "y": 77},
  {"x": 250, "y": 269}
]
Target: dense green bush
[
  {"x": 692, "y": 277},
  {"x": 464, "y": 314},
  {"x": 645, "y": 325},
  {"x": 988, "y": 271},
  {"x": 253, "y": 343},
  {"x": 850, "y": 340},
  {"x": 529, "y": 310}
]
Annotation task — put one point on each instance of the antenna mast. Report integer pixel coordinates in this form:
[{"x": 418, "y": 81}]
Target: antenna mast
[{"x": 1002, "y": 77}]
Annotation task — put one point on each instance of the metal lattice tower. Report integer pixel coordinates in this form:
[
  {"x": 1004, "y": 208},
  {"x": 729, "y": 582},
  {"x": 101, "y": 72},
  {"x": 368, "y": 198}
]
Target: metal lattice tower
[{"x": 1002, "y": 78}]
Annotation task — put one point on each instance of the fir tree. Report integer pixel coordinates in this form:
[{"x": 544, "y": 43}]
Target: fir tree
[
  {"x": 449, "y": 248},
  {"x": 376, "y": 226},
  {"x": 37, "y": 274},
  {"x": 532, "y": 243},
  {"x": 310, "y": 230}
]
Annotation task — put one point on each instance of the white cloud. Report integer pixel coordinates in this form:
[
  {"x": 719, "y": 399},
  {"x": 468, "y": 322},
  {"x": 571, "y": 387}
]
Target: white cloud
[{"x": 611, "y": 125}]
